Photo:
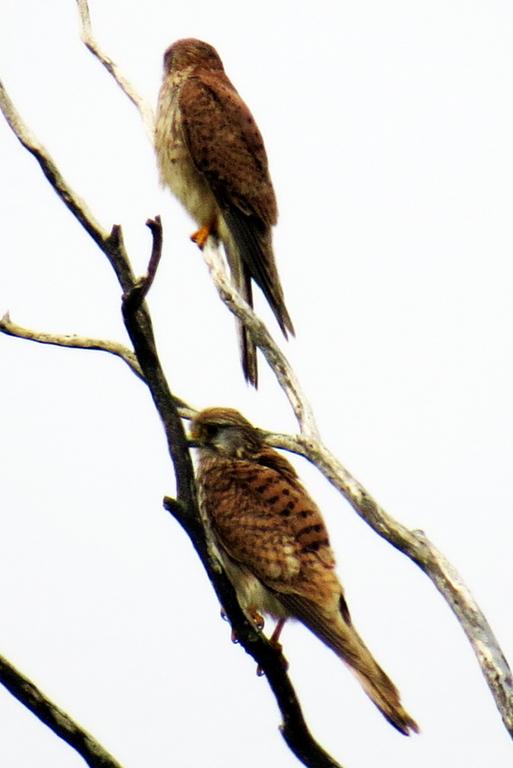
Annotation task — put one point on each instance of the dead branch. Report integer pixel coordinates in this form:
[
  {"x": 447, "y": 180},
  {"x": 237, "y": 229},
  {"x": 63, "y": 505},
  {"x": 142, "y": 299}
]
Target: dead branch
[
  {"x": 75, "y": 342},
  {"x": 54, "y": 717},
  {"x": 91, "y": 44},
  {"x": 70, "y": 199}
]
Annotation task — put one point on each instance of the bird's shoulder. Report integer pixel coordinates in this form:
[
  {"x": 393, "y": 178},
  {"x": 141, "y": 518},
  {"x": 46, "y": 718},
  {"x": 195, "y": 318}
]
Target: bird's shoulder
[{"x": 225, "y": 144}]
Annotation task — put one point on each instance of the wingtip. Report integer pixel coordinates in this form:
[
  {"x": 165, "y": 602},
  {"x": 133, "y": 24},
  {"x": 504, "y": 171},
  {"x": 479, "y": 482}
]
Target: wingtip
[
  {"x": 403, "y": 723},
  {"x": 284, "y": 321},
  {"x": 251, "y": 377},
  {"x": 248, "y": 359}
]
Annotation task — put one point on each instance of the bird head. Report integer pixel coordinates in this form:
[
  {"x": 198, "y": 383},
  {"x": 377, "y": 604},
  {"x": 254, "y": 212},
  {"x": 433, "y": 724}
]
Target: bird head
[
  {"x": 189, "y": 54},
  {"x": 225, "y": 432}
]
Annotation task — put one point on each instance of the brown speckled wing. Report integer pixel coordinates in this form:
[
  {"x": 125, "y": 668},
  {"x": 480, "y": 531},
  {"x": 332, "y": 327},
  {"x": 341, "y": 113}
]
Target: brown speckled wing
[
  {"x": 285, "y": 493},
  {"x": 249, "y": 527},
  {"x": 227, "y": 148},
  {"x": 226, "y": 145},
  {"x": 265, "y": 520}
]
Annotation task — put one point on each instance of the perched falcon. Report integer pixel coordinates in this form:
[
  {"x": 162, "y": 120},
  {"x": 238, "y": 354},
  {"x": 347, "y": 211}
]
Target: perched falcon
[
  {"x": 211, "y": 155},
  {"x": 275, "y": 548}
]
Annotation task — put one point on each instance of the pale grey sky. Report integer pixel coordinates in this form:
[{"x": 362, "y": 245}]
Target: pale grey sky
[{"x": 388, "y": 128}]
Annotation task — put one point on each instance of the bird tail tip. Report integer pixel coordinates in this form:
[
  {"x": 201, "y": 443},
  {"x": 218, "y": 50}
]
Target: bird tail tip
[
  {"x": 248, "y": 355},
  {"x": 386, "y": 698}
]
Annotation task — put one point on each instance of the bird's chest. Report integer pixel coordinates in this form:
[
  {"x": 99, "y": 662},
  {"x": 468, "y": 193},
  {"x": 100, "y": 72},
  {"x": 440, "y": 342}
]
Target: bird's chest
[{"x": 176, "y": 165}]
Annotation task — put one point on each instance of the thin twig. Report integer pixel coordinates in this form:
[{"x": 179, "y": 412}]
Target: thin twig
[
  {"x": 155, "y": 227},
  {"x": 126, "y": 86},
  {"x": 139, "y": 292},
  {"x": 76, "y": 342},
  {"x": 185, "y": 410},
  {"x": 54, "y": 717},
  {"x": 72, "y": 201}
]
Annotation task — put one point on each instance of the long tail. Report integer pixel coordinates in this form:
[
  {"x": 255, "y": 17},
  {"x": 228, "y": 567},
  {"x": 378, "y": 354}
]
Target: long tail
[
  {"x": 253, "y": 241},
  {"x": 248, "y": 351},
  {"x": 248, "y": 246},
  {"x": 378, "y": 686},
  {"x": 342, "y": 638},
  {"x": 242, "y": 281}
]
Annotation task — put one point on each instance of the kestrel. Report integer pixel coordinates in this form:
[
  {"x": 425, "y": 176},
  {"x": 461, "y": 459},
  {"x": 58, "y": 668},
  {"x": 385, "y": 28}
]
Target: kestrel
[
  {"x": 274, "y": 546},
  {"x": 212, "y": 157}
]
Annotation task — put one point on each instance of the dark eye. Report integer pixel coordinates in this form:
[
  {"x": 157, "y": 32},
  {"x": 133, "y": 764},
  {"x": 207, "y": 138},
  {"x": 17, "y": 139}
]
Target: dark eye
[{"x": 211, "y": 431}]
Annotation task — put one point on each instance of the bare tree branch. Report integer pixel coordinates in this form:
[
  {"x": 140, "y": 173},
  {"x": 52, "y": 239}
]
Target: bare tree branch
[
  {"x": 57, "y": 720},
  {"x": 72, "y": 201},
  {"x": 89, "y": 41},
  {"x": 140, "y": 291},
  {"x": 110, "y": 243},
  {"x": 82, "y": 342},
  {"x": 76, "y": 342}
]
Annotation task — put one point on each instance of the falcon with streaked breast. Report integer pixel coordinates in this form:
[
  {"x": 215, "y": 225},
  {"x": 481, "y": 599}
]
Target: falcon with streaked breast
[
  {"x": 275, "y": 548},
  {"x": 211, "y": 155}
]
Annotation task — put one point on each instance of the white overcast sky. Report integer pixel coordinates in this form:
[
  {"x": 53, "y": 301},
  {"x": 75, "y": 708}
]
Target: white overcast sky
[{"x": 389, "y": 130}]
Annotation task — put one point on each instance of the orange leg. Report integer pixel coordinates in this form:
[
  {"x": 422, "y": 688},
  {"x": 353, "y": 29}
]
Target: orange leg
[
  {"x": 201, "y": 236},
  {"x": 275, "y": 637}
]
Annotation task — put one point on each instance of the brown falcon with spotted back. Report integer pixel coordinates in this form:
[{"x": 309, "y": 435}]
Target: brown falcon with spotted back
[
  {"x": 274, "y": 546},
  {"x": 211, "y": 155}
]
